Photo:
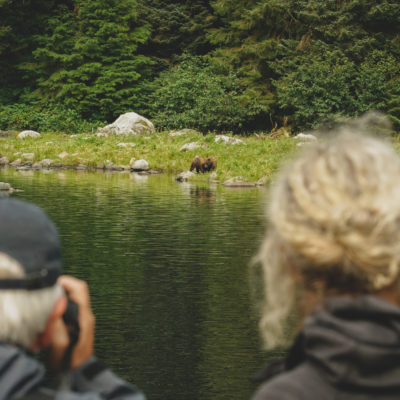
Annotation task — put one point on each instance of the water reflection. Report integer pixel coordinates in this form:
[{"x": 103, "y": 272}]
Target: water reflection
[{"x": 167, "y": 268}]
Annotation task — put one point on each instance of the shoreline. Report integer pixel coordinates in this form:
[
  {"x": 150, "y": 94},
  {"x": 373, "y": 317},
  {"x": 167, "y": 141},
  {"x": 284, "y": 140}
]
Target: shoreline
[{"x": 250, "y": 159}]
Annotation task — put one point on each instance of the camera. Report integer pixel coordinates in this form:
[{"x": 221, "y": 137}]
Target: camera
[{"x": 71, "y": 321}]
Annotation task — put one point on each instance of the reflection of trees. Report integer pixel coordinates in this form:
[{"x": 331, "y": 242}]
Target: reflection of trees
[{"x": 168, "y": 274}]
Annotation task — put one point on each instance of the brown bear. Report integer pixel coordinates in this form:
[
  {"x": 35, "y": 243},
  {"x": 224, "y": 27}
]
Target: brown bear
[{"x": 203, "y": 164}]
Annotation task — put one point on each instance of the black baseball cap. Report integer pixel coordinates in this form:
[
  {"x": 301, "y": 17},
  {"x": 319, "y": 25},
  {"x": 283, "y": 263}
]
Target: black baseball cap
[{"x": 28, "y": 236}]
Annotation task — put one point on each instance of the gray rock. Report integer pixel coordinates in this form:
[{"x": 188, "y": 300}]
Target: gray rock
[
  {"x": 228, "y": 140},
  {"x": 37, "y": 165},
  {"x": 238, "y": 181},
  {"x": 126, "y": 144},
  {"x": 63, "y": 155},
  {"x": 4, "y": 160},
  {"x": 127, "y": 124},
  {"x": 5, "y": 186},
  {"x": 28, "y": 156},
  {"x": 305, "y": 137},
  {"x": 28, "y": 133},
  {"x": 184, "y": 176},
  {"x": 262, "y": 181},
  {"x": 140, "y": 165},
  {"x": 192, "y": 146},
  {"x": 46, "y": 163},
  {"x": 16, "y": 163},
  {"x": 181, "y": 132},
  {"x": 110, "y": 165}
]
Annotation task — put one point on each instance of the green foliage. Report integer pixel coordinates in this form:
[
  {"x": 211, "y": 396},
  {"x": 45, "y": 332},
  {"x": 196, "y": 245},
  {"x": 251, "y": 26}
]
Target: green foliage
[
  {"x": 87, "y": 58},
  {"x": 322, "y": 52},
  {"x": 322, "y": 87},
  {"x": 177, "y": 27},
  {"x": 44, "y": 119},
  {"x": 316, "y": 90},
  {"x": 257, "y": 158},
  {"x": 393, "y": 105},
  {"x": 269, "y": 62},
  {"x": 193, "y": 95},
  {"x": 20, "y": 23}
]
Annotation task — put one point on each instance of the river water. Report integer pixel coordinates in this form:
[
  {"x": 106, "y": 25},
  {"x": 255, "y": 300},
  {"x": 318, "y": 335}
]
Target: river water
[{"x": 167, "y": 266}]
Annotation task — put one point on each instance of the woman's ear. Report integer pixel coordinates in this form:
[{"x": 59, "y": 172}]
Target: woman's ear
[{"x": 44, "y": 339}]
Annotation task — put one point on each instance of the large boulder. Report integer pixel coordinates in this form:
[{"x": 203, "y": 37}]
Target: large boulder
[
  {"x": 127, "y": 124},
  {"x": 25, "y": 134},
  {"x": 140, "y": 165}
]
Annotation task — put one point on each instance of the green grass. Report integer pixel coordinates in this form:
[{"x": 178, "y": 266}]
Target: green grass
[{"x": 258, "y": 158}]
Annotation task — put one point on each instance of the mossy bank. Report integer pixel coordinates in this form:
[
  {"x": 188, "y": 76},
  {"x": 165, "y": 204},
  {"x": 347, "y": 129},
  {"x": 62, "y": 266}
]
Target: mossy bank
[{"x": 251, "y": 159}]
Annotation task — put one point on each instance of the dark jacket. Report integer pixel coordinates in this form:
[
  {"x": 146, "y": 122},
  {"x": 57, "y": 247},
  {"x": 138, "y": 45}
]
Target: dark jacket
[
  {"x": 350, "y": 349},
  {"x": 21, "y": 374}
]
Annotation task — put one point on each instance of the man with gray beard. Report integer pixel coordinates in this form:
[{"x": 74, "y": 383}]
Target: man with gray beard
[{"x": 40, "y": 310}]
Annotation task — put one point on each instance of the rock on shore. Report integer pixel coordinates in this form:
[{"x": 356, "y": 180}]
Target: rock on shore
[
  {"x": 184, "y": 176},
  {"x": 140, "y": 165},
  {"x": 127, "y": 124},
  {"x": 6, "y": 189},
  {"x": 238, "y": 182},
  {"x": 25, "y": 134}
]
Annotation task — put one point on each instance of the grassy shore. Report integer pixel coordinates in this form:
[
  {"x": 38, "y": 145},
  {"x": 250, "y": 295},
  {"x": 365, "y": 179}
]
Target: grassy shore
[{"x": 257, "y": 158}]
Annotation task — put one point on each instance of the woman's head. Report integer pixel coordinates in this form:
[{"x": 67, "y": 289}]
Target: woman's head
[{"x": 334, "y": 224}]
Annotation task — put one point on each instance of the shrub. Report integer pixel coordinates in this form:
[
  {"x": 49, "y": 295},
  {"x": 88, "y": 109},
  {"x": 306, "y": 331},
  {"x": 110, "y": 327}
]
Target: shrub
[
  {"x": 316, "y": 90},
  {"x": 193, "y": 95},
  {"x": 41, "y": 118},
  {"x": 333, "y": 86}
]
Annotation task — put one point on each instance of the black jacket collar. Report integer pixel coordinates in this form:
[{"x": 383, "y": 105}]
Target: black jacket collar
[{"x": 353, "y": 343}]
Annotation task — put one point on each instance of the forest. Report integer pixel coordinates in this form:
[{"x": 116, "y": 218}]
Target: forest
[{"x": 212, "y": 65}]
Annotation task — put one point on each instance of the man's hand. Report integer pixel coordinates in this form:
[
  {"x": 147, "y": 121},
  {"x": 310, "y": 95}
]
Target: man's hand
[{"x": 78, "y": 292}]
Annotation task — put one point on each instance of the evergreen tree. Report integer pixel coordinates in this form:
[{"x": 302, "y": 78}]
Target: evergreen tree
[
  {"x": 177, "y": 27},
  {"x": 295, "y": 60},
  {"x": 286, "y": 48},
  {"x": 88, "y": 58},
  {"x": 20, "y": 23}
]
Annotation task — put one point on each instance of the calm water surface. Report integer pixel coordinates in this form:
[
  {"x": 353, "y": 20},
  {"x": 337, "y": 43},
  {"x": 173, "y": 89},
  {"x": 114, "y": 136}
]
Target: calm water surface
[{"x": 167, "y": 265}]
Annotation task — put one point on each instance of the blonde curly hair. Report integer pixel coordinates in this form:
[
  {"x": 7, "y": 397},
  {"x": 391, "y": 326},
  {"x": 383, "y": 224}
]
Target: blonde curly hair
[{"x": 334, "y": 221}]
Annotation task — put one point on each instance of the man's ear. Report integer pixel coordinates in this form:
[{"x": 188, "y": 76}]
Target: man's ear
[{"x": 44, "y": 339}]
